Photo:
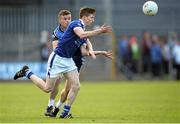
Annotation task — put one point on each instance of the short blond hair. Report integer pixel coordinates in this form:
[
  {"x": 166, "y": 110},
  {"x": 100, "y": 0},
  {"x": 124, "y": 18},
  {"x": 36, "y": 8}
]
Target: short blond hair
[{"x": 63, "y": 13}]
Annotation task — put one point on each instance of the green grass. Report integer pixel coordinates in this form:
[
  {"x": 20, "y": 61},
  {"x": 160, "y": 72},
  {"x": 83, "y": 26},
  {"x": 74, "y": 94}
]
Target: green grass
[{"x": 141, "y": 101}]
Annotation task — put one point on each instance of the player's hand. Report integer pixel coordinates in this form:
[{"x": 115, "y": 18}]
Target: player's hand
[
  {"x": 108, "y": 54},
  {"x": 106, "y": 29},
  {"x": 91, "y": 53}
]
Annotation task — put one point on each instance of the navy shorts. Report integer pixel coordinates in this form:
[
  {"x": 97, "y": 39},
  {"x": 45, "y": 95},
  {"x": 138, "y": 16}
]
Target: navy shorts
[
  {"x": 78, "y": 59},
  {"x": 78, "y": 62}
]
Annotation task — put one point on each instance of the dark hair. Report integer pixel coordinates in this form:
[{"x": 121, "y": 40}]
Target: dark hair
[
  {"x": 63, "y": 12},
  {"x": 85, "y": 11}
]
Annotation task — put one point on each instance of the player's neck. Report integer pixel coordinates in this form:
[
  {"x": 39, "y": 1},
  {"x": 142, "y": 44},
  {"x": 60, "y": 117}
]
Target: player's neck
[
  {"x": 82, "y": 21},
  {"x": 62, "y": 28}
]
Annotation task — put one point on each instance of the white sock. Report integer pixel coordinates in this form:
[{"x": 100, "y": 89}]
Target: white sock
[
  {"x": 59, "y": 103},
  {"x": 51, "y": 102}
]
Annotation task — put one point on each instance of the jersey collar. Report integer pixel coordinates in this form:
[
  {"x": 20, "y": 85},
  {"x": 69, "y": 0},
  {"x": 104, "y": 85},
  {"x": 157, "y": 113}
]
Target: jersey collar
[
  {"x": 82, "y": 23},
  {"x": 60, "y": 29}
]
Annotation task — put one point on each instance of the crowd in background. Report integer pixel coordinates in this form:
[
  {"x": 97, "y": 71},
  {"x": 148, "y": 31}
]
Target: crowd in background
[{"x": 153, "y": 54}]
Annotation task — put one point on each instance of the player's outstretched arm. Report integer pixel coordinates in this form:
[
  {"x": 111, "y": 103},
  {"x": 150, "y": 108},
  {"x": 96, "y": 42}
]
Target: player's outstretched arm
[
  {"x": 108, "y": 54},
  {"x": 85, "y": 34},
  {"x": 90, "y": 49},
  {"x": 85, "y": 52}
]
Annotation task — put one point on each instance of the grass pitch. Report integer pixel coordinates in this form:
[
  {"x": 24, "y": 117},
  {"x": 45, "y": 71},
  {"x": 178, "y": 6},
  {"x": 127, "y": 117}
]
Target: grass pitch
[{"x": 109, "y": 102}]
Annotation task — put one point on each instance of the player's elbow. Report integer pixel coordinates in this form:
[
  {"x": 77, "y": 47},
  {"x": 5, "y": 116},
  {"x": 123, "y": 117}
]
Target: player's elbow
[{"x": 82, "y": 36}]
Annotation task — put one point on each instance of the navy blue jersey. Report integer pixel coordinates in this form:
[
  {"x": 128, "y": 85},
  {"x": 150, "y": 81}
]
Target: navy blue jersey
[
  {"x": 77, "y": 57},
  {"x": 70, "y": 42},
  {"x": 57, "y": 34}
]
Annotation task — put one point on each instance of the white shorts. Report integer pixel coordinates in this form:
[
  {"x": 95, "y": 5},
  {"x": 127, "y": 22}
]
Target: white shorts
[{"x": 58, "y": 65}]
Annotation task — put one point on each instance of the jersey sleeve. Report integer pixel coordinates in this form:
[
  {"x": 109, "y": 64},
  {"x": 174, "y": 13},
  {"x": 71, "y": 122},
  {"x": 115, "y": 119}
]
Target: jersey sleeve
[{"x": 76, "y": 24}]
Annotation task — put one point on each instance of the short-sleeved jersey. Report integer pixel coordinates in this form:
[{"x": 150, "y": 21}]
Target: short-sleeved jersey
[
  {"x": 57, "y": 34},
  {"x": 70, "y": 42}
]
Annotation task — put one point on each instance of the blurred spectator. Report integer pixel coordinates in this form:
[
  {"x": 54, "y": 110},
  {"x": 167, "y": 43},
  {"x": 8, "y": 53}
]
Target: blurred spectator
[
  {"x": 44, "y": 45},
  {"x": 146, "y": 45},
  {"x": 124, "y": 56},
  {"x": 44, "y": 37},
  {"x": 156, "y": 57},
  {"x": 45, "y": 51},
  {"x": 176, "y": 57},
  {"x": 166, "y": 56},
  {"x": 134, "y": 53},
  {"x": 172, "y": 40},
  {"x": 124, "y": 49}
]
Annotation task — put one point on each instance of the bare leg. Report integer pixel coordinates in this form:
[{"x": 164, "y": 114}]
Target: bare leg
[
  {"x": 65, "y": 92},
  {"x": 44, "y": 86},
  {"x": 68, "y": 94},
  {"x": 73, "y": 81},
  {"x": 53, "y": 95},
  {"x": 55, "y": 90}
]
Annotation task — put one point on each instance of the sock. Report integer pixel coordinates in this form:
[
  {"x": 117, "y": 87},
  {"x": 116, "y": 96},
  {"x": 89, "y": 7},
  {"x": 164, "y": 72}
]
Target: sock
[
  {"x": 66, "y": 109},
  {"x": 29, "y": 73},
  {"x": 59, "y": 103},
  {"x": 51, "y": 102}
]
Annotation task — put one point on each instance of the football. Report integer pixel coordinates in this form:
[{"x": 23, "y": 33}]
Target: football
[{"x": 150, "y": 8}]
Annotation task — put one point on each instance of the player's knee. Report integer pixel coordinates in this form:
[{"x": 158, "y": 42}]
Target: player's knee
[
  {"x": 58, "y": 81},
  {"x": 48, "y": 90},
  {"x": 76, "y": 87}
]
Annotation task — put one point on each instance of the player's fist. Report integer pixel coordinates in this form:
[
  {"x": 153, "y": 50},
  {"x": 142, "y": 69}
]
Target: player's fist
[{"x": 108, "y": 54}]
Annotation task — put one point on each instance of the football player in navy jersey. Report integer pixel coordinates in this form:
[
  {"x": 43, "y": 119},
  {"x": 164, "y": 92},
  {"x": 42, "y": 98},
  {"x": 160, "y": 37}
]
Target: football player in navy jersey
[
  {"x": 60, "y": 61},
  {"x": 64, "y": 18}
]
